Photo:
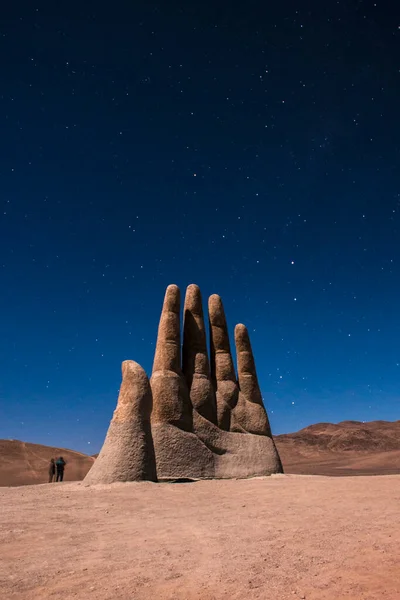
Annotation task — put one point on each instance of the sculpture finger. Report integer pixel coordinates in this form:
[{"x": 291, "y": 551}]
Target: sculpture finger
[
  {"x": 195, "y": 363},
  {"x": 168, "y": 350},
  {"x": 222, "y": 369},
  {"x": 134, "y": 400},
  {"x": 171, "y": 404},
  {"x": 247, "y": 375},
  {"x": 128, "y": 452},
  {"x": 250, "y": 413}
]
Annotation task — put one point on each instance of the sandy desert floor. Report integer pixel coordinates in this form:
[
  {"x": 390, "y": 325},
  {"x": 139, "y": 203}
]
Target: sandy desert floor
[{"x": 287, "y": 536}]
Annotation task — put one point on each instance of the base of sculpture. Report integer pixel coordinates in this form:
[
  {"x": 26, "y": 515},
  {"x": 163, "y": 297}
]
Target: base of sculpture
[
  {"x": 212, "y": 454},
  {"x": 124, "y": 456}
]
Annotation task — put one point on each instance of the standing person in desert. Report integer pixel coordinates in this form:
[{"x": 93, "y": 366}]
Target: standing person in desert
[
  {"x": 52, "y": 470},
  {"x": 60, "y": 464}
]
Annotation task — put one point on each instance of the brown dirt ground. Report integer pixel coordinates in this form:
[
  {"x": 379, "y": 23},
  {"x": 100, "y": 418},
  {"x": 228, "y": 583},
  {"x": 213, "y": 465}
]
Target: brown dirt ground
[
  {"x": 338, "y": 464},
  {"x": 283, "y": 537}
]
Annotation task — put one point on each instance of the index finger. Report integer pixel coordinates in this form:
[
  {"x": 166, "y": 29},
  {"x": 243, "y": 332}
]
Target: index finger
[
  {"x": 167, "y": 356},
  {"x": 222, "y": 368}
]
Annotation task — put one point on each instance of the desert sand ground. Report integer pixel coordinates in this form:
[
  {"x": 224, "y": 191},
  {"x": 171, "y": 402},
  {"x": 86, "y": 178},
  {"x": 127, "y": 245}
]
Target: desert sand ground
[
  {"x": 337, "y": 464},
  {"x": 282, "y": 537}
]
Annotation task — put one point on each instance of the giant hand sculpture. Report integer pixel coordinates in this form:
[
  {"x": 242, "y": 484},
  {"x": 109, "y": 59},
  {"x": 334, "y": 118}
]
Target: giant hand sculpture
[{"x": 190, "y": 420}]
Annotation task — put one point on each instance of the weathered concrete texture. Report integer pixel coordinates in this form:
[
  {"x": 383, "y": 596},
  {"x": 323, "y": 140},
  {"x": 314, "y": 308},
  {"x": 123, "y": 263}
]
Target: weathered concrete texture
[
  {"x": 198, "y": 420},
  {"x": 237, "y": 454},
  {"x": 249, "y": 413},
  {"x": 195, "y": 363},
  {"x": 171, "y": 403},
  {"x": 181, "y": 454},
  {"x": 229, "y": 433},
  {"x": 128, "y": 452},
  {"x": 222, "y": 369},
  {"x": 211, "y": 453}
]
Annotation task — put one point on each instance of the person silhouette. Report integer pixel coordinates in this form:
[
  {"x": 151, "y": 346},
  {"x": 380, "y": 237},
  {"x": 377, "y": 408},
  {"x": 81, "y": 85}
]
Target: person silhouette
[
  {"x": 52, "y": 470},
  {"x": 60, "y": 464}
]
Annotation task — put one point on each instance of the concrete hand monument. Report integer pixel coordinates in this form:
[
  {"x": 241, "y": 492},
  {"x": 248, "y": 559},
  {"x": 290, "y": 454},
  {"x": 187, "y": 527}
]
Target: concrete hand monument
[{"x": 195, "y": 418}]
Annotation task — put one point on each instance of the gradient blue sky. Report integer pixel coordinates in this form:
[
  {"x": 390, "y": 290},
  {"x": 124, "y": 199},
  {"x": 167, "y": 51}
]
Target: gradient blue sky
[{"x": 251, "y": 150}]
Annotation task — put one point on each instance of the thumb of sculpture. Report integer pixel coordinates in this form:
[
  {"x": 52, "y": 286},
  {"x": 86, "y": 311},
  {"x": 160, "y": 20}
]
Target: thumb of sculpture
[{"x": 128, "y": 452}]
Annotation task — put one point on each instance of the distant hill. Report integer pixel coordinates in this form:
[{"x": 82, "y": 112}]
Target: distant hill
[
  {"x": 22, "y": 463},
  {"x": 346, "y": 448}
]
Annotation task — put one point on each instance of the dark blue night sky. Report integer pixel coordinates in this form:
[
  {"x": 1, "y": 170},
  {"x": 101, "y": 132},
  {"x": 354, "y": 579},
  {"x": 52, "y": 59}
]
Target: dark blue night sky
[{"x": 253, "y": 150}]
